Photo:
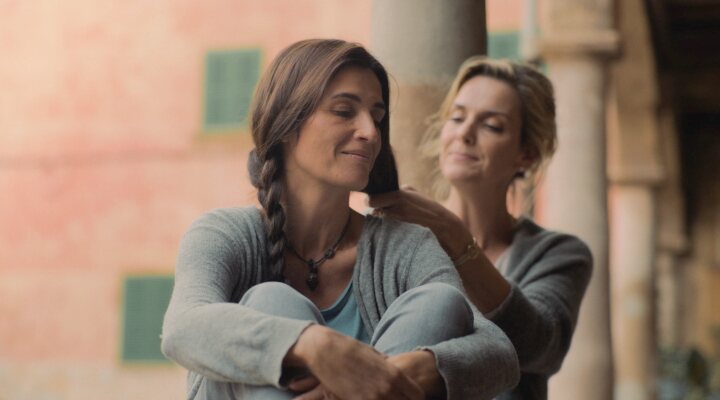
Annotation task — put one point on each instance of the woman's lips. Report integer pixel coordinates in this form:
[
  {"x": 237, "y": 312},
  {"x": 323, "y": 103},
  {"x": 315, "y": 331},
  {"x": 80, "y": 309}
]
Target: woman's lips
[
  {"x": 357, "y": 154},
  {"x": 460, "y": 156}
]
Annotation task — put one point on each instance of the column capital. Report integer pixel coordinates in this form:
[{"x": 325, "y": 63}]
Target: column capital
[{"x": 602, "y": 43}]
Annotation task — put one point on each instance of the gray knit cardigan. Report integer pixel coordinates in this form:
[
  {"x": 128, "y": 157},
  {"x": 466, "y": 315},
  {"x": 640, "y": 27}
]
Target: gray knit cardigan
[
  {"x": 549, "y": 272},
  {"x": 222, "y": 255}
]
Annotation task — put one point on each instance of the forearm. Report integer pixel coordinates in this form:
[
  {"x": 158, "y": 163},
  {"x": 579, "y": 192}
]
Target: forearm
[
  {"x": 541, "y": 331},
  {"x": 484, "y": 285},
  {"x": 208, "y": 339},
  {"x": 302, "y": 353}
]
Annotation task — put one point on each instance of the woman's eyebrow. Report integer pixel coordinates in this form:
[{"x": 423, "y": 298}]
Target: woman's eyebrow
[
  {"x": 492, "y": 113},
  {"x": 356, "y": 98},
  {"x": 484, "y": 114}
]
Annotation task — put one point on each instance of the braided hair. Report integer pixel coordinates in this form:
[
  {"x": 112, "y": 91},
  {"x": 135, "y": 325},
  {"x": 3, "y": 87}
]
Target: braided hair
[{"x": 287, "y": 94}]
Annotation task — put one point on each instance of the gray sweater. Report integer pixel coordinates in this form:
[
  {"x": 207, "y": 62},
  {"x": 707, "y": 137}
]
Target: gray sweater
[
  {"x": 222, "y": 255},
  {"x": 549, "y": 273}
]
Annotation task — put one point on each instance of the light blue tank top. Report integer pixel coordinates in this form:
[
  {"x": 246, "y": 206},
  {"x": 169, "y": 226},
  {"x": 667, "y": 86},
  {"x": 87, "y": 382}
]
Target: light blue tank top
[{"x": 344, "y": 316}]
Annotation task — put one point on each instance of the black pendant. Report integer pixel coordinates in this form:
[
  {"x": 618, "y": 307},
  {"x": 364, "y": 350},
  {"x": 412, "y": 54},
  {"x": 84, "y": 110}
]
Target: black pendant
[{"x": 312, "y": 279}]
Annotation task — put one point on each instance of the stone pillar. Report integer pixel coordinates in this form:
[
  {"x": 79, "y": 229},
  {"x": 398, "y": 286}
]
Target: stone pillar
[
  {"x": 635, "y": 171},
  {"x": 672, "y": 239},
  {"x": 577, "y": 39},
  {"x": 632, "y": 261},
  {"x": 422, "y": 43},
  {"x": 529, "y": 31}
]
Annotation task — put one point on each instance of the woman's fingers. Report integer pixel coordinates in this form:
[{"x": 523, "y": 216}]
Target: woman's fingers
[
  {"x": 405, "y": 205},
  {"x": 404, "y": 198},
  {"x": 409, "y": 389},
  {"x": 408, "y": 212},
  {"x": 414, "y": 207},
  {"x": 318, "y": 393},
  {"x": 384, "y": 200},
  {"x": 303, "y": 384},
  {"x": 347, "y": 369}
]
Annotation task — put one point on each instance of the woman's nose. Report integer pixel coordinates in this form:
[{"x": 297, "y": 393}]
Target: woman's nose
[
  {"x": 466, "y": 133},
  {"x": 367, "y": 129}
]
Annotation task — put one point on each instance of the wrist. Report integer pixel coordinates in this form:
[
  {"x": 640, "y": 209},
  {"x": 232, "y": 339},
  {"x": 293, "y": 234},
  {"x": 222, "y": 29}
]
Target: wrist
[
  {"x": 303, "y": 353},
  {"x": 457, "y": 245},
  {"x": 426, "y": 374},
  {"x": 469, "y": 251}
]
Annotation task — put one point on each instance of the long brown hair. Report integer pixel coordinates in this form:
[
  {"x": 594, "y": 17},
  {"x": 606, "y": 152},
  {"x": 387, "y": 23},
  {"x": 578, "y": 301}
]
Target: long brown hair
[{"x": 287, "y": 94}]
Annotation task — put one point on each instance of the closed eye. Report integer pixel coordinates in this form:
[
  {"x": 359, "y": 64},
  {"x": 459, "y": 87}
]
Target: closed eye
[
  {"x": 344, "y": 113},
  {"x": 493, "y": 128}
]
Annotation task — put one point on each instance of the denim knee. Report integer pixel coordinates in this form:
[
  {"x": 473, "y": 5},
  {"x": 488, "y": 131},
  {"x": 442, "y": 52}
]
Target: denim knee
[
  {"x": 271, "y": 292},
  {"x": 423, "y": 316},
  {"x": 281, "y": 300},
  {"x": 443, "y": 301}
]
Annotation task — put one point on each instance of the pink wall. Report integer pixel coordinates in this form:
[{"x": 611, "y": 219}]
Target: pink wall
[
  {"x": 102, "y": 167},
  {"x": 504, "y": 15}
]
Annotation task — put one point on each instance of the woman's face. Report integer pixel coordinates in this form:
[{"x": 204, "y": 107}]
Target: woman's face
[
  {"x": 338, "y": 144},
  {"x": 480, "y": 140}
]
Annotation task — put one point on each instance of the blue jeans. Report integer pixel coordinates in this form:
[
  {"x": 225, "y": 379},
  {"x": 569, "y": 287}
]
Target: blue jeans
[{"x": 423, "y": 316}]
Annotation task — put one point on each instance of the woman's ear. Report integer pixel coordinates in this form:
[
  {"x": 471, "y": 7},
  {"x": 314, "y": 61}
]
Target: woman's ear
[{"x": 526, "y": 159}]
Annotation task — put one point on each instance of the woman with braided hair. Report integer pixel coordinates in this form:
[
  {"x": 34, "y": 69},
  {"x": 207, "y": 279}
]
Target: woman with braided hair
[{"x": 305, "y": 297}]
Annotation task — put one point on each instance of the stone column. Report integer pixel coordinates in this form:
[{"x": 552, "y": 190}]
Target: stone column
[
  {"x": 672, "y": 239},
  {"x": 529, "y": 31},
  {"x": 632, "y": 262},
  {"x": 635, "y": 171},
  {"x": 422, "y": 43},
  {"x": 577, "y": 39}
]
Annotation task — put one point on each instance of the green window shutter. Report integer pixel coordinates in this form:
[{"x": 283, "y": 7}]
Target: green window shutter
[
  {"x": 145, "y": 300},
  {"x": 230, "y": 78},
  {"x": 504, "y": 45}
]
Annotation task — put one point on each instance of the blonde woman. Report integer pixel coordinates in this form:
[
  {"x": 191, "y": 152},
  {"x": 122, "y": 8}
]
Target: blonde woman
[{"x": 497, "y": 126}]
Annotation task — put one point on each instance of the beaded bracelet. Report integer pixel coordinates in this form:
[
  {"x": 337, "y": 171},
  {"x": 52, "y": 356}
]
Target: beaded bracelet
[{"x": 471, "y": 252}]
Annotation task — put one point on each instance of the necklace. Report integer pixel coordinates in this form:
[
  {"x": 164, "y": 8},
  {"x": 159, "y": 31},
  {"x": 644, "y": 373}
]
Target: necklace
[{"x": 312, "y": 280}]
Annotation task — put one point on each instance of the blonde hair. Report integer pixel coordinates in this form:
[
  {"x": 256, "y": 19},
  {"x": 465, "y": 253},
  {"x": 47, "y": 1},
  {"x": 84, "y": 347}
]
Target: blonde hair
[{"x": 538, "y": 134}]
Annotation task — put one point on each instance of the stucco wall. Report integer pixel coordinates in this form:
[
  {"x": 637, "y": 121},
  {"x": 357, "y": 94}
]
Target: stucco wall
[{"x": 103, "y": 165}]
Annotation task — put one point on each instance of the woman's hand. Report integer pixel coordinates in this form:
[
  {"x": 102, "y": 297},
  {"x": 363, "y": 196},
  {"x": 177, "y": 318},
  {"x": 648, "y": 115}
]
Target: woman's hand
[
  {"x": 421, "y": 367},
  {"x": 348, "y": 369},
  {"x": 410, "y": 206}
]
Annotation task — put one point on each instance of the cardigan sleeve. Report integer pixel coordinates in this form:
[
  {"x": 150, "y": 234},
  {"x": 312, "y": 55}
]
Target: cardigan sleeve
[
  {"x": 204, "y": 330},
  {"x": 480, "y": 365},
  {"x": 540, "y": 314}
]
